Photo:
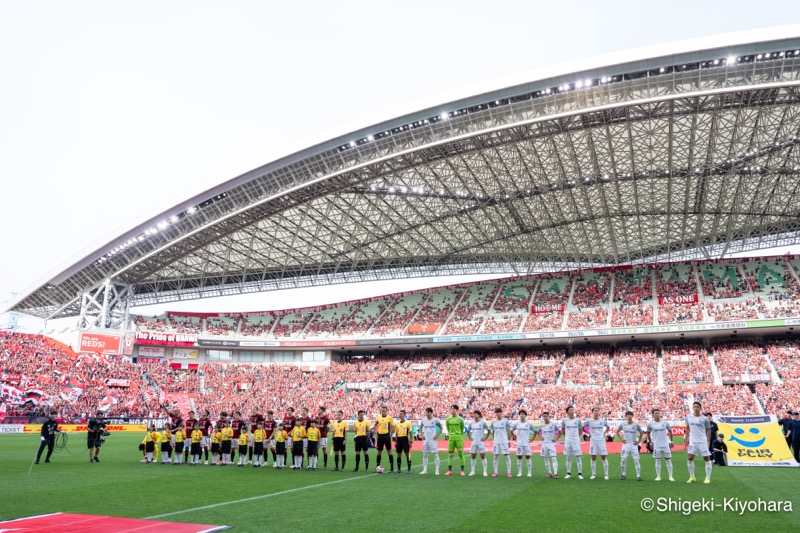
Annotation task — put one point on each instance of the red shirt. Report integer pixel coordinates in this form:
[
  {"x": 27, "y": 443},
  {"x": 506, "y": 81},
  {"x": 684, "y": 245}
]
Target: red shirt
[
  {"x": 324, "y": 425},
  {"x": 190, "y": 422},
  {"x": 254, "y": 420},
  {"x": 175, "y": 422},
  {"x": 237, "y": 426},
  {"x": 206, "y": 426},
  {"x": 288, "y": 423},
  {"x": 309, "y": 420},
  {"x": 270, "y": 426}
]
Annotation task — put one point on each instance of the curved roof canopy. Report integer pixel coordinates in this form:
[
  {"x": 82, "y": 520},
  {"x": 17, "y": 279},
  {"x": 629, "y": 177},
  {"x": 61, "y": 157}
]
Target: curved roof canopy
[{"x": 665, "y": 158}]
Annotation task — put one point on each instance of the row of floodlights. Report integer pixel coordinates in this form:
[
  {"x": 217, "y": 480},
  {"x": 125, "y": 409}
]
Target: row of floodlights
[
  {"x": 158, "y": 227},
  {"x": 580, "y": 84}
]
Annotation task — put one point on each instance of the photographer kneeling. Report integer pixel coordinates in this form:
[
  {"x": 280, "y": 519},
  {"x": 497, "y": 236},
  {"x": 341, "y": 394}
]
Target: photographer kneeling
[
  {"x": 96, "y": 430},
  {"x": 49, "y": 430}
]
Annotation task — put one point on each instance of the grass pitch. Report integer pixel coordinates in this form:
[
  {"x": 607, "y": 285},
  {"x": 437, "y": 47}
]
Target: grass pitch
[{"x": 269, "y": 500}]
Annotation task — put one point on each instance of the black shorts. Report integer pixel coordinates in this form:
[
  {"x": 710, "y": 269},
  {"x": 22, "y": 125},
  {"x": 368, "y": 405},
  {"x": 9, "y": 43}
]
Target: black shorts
[
  {"x": 243, "y": 449},
  {"x": 280, "y": 448},
  {"x": 258, "y": 448},
  {"x": 339, "y": 444},
  {"x": 384, "y": 441},
  {"x": 196, "y": 448},
  {"x": 149, "y": 447},
  {"x": 362, "y": 444},
  {"x": 225, "y": 446},
  {"x": 313, "y": 447},
  {"x": 297, "y": 447},
  {"x": 166, "y": 447},
  {"x": 215, "y": 447},
  {"x": 179, "y": 447},
  {"x": 93, "y": 442},
  {"x": 402, "y": 445}
]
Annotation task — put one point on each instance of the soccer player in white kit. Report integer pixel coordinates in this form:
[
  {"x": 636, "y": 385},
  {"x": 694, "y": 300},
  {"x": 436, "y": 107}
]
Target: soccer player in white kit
[
  {"x": 571, "y": 429},
  {"x": 660, "y": 434},
  {"x": 523, "y": 430},
  {"x": 478, "y": 430},
  {"x": 597, "y": 441},
  {"x": 632, "y": 434},
  {"x": 430, "y": 428},
  {"x": 500, "y": 430},
  {"x": 547, "y": 430},
  {"x": 698, "y": 433}
]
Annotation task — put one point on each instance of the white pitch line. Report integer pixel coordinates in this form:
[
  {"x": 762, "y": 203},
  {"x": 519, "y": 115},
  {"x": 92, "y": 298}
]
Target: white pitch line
[{"x": 252, "y": 498}]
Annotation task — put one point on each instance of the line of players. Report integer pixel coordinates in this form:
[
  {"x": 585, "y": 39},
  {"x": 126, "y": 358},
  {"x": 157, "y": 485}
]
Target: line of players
[{"x": 305, "y": 436}]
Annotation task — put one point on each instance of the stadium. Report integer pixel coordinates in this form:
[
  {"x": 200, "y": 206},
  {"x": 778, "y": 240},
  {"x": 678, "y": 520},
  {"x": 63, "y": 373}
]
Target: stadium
[{"x": 621, "y": 210}]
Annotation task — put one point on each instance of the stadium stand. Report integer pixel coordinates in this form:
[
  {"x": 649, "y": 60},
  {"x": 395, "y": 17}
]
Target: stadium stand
[
  {"x": 785, "y": 357},
  {"x": 685, "y": 363},
  {"x": 470, "y": 313},
  {"x": 586, "y": 366},
  {"x": 37, "y": 372}
]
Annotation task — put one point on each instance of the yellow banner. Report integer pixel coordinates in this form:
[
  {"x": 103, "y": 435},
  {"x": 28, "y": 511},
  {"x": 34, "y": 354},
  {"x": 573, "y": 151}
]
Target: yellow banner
[
  {"x": 81, "y": 428},
  {"x": 755, "y": 441}
]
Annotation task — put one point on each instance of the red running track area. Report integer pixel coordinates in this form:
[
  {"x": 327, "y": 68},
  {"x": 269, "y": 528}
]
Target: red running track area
[
  {"x": 85, "y": 523},
  {"x": 612, "y": 447}
]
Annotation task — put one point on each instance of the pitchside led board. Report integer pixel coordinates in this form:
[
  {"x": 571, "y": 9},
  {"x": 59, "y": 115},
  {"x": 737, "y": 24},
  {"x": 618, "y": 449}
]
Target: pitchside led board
[{"x": 754, "y": 441}]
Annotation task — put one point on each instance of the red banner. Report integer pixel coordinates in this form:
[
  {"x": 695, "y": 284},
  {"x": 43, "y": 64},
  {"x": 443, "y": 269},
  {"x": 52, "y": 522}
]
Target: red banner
[
  {"x": 166, "y": 339},
  {"x": 96, "y": 343},
  {"x": 548, "y": 308},
  {"x": 678, "y": 300},
  {"x": 421, "y": 329}
]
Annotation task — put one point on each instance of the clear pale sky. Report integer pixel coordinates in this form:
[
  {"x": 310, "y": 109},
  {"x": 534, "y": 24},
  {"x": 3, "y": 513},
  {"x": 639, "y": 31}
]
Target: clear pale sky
[{"x": 114, "y": 111}]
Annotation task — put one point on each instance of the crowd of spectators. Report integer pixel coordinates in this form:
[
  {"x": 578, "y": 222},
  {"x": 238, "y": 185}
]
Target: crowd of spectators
[
  {"x": 736, "y": 358},
  {"x": 587, "y": 366},
  {"x": 726, "y": 400},
  {"x": 362, "y": 318},
  {"x": 591, "y": 290},
  {"x": 679, "y": 313},
  {"x": 633, "y": 287},
  {"x": 502, "y": 324},
  {"x": 186, "y": 324},
  {"x": 625, "y": 315},
  {"x": 579, "y": 318},
  {"x": 544, "y": 321},
  {"x": 685, "y": 363},
  {"x": 779, "y": 398},
  {"x": 398, "y": 316},
  {"x": 514, "y": 298},
  {"x": 470, "y": 312},
  {"x": 150, "y": 323},
  {"x": 537, "y": 370},
  {"x": 256, "y": 325},
  {"x": 527, "y": 379},
  {"x": 723, "y": 312},
  {"x": 291, "y": 324},
  {"x": 785, "y": 357},
  {"x": 498, "y": 366},
  {"x": 720, "y": 282},
  {"x": 634, "y": 364}
]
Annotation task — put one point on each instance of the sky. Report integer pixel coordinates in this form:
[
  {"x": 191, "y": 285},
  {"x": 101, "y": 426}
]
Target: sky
[{"x": 111, "y": 112}]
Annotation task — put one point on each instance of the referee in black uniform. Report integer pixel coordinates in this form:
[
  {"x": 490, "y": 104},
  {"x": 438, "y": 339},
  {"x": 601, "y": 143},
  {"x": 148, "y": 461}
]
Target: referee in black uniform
[{"x": 49, "y": 430}]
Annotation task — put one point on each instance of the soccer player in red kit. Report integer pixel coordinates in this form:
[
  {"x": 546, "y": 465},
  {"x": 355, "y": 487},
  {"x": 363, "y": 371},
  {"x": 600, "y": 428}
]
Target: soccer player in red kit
[
  {"x": 237, "y": 425},
  {"x": 323, "y": 424},
  {"x": 270, "y": 425},
  {"x": 207, "y": 427},
  {"x": 190, "y": 422},
  {"x": 255, "y": 418},
  {"x": 302, "y": 421},
  {"x": 289, "y": 420}
]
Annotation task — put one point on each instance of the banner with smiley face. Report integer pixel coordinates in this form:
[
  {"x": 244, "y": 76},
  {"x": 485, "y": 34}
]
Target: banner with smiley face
[{"x": 754, "y": 441}]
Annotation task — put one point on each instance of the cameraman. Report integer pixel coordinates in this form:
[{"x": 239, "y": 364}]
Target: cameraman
[
  {"x": 96, "y": 430},
  {"x": 49, "y": 430}
]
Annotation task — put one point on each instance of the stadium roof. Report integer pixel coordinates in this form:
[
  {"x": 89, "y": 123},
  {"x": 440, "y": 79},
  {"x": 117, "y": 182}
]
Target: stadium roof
[{"x": 673, "y": 155}]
